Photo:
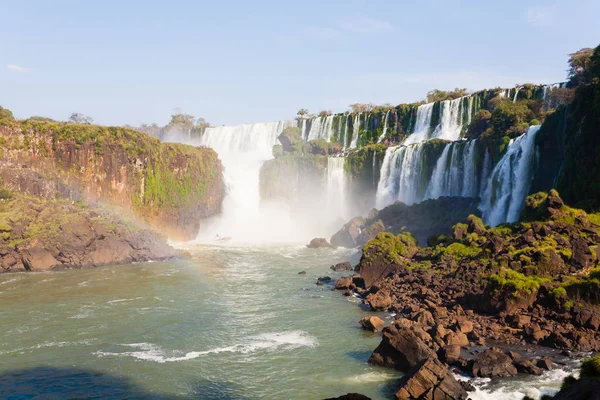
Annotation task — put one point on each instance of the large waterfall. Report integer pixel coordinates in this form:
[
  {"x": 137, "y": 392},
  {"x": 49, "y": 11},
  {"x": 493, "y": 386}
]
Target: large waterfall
[
  {"x": 504, "y": 194},
  {"x": 463, "y": 169}
]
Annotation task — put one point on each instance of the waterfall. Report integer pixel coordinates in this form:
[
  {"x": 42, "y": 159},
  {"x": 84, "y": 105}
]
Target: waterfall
[
  {"x": 385, "y": 127},
  {"x": 336, "y": 188},
  {"x": 355, "y": 131},
  {"x": 516, "y": 94},
  {"x": 451, "y": 120},
  {"x": 320, "y": 128},
  {"x": 455, "y": 173},
  {"x": 242, "y": 150},
  {"x": 400, "y": 176},
  {"x": 422, "y": 125},
  {"x": 504, "y": 195}
]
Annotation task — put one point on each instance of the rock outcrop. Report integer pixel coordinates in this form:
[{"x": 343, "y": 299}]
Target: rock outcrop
[
  {"x": 170, "y": 186},
  {"x": 430, "y": 380},
  {"x": 41, "y": 235}
]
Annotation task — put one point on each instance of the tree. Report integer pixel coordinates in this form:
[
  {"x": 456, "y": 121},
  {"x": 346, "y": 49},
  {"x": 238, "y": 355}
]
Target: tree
[
  {"x": 6, "y": 113},
  {"x": 302, "y": 113},
  {"x": 78, "y": 118},
  {"x": 361, "y": 108},
  {"x": 202, "y": 123},
  {"x": 441, "y": 95},
  {"x": 182, "y": 121},
  {"x": 578, "y": 61},
  {"x": 325, "y": 113}
]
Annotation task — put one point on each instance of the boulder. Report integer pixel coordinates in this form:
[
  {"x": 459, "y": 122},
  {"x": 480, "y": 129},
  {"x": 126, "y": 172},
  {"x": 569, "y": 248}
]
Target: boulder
[
  {"x": 343, "y": 266},
  {"x": 379, "y": 301},
  {"x": 493, "y": 363},
  {"x": 464, "y": 325},
  {"x": 582, "y": 255},
  {"x": 343, "y": 283},
  {"x": 527, "y": 367},
  {"x": 451, "y": 353},
  {"x": 401, "y": 348},
  {"x": 374, "y": 324},
  {"x": 35, "y": 257},
  {"x": 350, "y": 396},
  {"x": 430, "y": 380},
  {"x": 349, "y": 235},
  {"x": 545, "y": 363},
  {"x": 317, "y": 243},
  {"x": 384, "y": 255}
]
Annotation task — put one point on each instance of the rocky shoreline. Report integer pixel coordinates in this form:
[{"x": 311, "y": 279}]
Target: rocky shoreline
[{"x": 482, "y": 301}]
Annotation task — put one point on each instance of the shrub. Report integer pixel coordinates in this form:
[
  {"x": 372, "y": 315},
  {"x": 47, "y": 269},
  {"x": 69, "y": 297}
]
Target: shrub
[{"x": 590, "y": 367}]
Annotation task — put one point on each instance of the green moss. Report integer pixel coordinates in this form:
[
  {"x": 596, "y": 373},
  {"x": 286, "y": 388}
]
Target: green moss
[
  {"x": 460, "y": 251},
  {"x": 516, "y": 282},
  {"x": 558, "y": 293},
  {"x": 392, "y": 247}
]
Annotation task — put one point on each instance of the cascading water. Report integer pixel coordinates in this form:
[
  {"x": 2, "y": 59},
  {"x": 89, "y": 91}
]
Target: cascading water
[
  {"x": 455, "y": 173},
  {"x": 336, "y": 188},
  {"x": 504, "y": 195},
  {"x": 355, "y": 131},
  {"x": 385, "y": 127},
  {"x": 320, "y": 128},
  {"x": 242, "y": 150},
  {"x": 422, "y": 128},
  {"x": 400, "y": 176}
]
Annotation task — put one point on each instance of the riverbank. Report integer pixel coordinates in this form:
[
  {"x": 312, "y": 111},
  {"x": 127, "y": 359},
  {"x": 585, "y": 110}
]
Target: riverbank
[{"x": 525, "y": 284}]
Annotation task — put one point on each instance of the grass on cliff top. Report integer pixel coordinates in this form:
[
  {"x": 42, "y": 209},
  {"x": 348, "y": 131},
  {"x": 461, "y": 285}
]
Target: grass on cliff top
[{"x": 516, "y": 282}]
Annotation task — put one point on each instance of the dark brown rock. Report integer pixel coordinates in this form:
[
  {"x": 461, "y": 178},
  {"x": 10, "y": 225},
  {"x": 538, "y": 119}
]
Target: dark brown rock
[
  {"x": 350, "y": 396},
  {"x": 430, "y": 380},
  {"x": 379, "y": 301},
  {"x": 343, "y": 283},
  {"x": 493, "y": 363},
  {"x": 401, "y": 349}
]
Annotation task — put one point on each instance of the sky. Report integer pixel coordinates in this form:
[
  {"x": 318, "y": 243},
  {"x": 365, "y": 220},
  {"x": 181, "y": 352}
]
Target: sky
[{"x": 232, "y": 62}]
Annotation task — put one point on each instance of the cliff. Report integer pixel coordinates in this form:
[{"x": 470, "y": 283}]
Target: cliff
[{"x": 170, "y": 186}]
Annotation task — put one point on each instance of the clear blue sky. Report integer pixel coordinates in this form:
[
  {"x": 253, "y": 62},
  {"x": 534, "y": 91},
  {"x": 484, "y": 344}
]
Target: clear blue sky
[{"x": 129, "y": 62}]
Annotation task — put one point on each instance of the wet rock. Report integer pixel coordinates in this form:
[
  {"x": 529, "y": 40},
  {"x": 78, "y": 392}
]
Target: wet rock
[
  {"x": 545, "y": 363},
  {"x": 343, "y": 266},
  {"x": 350, "y": 396},
  {"x": 430, "y": 380},
  {"x": 401, "y": 349},
  {"x": 343, "y": 283},
  {"x": 527, "y": 367},
  {"x": 324, "y": 279},
  {"x": 493, "y": 363},
  {"x": 374, "y": 324},
  {"x": 317, "y": 243},
  {"x": 302, "y": 273}
]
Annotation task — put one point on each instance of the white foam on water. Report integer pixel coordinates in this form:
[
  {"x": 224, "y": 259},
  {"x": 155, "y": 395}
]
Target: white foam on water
[
  {"x": 368, "y": 377},
  {"x": 267, "y": 342},
  {"x": 10, "y": 281},
  {"x": 123, "y": 300},
  {"x": 516, "y": 388}
]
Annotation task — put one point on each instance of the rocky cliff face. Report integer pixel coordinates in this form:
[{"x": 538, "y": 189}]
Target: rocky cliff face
[{"x": 170, "y": 186}]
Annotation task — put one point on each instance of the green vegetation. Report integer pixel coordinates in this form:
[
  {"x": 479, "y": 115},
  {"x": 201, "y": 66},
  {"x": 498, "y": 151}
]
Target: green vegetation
[
  {"x": 590, "y": 367},
  {"x": 440, "y": 95},
  {"x": 392, "y": 247},
  {"x": 516, "y": 282},
  {"x": 460, "y": 251}
]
